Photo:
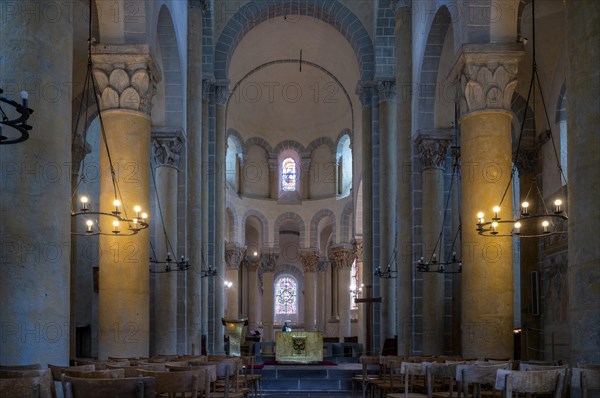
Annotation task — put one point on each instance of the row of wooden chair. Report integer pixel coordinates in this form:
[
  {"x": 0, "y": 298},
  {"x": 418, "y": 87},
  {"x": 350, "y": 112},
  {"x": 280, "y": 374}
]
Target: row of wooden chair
[{"x": 406, "y": 377}]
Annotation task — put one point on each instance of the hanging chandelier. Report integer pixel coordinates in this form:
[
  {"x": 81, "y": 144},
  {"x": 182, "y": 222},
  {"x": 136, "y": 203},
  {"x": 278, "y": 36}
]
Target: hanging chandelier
[
  {"x": 206, "y": 270},
  {"x": 18, "y": 123},
  {"x": 168, "y": 265},
  {"x": 451, "y": 264},
  {"x": 122, "y": 223},
  {"x": 528, "y": 224},
  {"x": 390, "y": 271}
]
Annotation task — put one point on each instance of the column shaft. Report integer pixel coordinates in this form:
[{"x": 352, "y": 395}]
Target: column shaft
[
  {"x": 387, "y": 204},
  {"x": 203, "y": 316},
  {"x": 365, "y": 93},
  {"x": 34, "y": 266},
  {"x": 123, "y": 284},
  {"x": 404, "y": 83},
  {"x": 254, "y": 304},
  {"x": 165, "y": 284},
  {"x": 433, "y": 283},
  {"x": 220, "y": 217},
  {"x": 487, "y": 316},
  {"x": 196, "y": 192},
  {"x": 487, "y": 279},
  {"x": 583, "y": 119}
]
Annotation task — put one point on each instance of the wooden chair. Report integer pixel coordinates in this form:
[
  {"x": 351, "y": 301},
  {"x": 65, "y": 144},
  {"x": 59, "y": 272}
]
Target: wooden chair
[
  {"x": 530, "y": 382},
  {"x": 96, "y": 374},
  {"x": 590, "y": 381},
  {"x": 184, "y": 384},
  {"x": 130, "y": 371},
  {"x": 364, "y": 379},
  {"x": 251, "y": 380},
  {"x": 37, "y": 383},
  {"x": 57, "y": 370},
  {"x": 205, "y": 377},
  {"x": 134, "y": 387},
  {"x": 441, "y": 379},
  {"x": 564, "y": 369},
  {"x": 228, "y": 382},
  {"x": 478, "y": 375},
  {"x": 414, "y": 379},
  {"x": 391, "y": 379},
  {"x": 35, "y": 366},
  {"x": 21, "y": 387}
]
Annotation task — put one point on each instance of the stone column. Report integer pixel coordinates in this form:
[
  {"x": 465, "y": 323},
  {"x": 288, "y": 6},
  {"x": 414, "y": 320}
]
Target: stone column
[
  {"x": 34, "y": 265},
  {"x": 487, "y": 73},
  {"x": 432, "y": 147},
  {"x": 456, "y": 278},
  {"x": 267, "y": 264},
  {"x": 221, "y": 96},
  {"x": 335, "y": 310},
  {"x": 254, "y": 297},
  {"x": 365, "y": 92},
  {"x": 166, "y": 151},
  {"x": 310, "y": 259},
  {"x": 342, "y": 257},
  {"x": 387, "y": 203},
  {"x": 195, "y": 191},
  {"x": 273, "y": 178},
  {"x": 126, "y": 77},
  {"x": 207, "y": 86},
  {"x": 234, "y": 254},
  {"x": 404, "y": 82},
  {"x": 358, "y": 253},
  {"x": 321, "y": 298},
  {"x": 305, "y": 177},
  {"x": 583, "y": 119}
]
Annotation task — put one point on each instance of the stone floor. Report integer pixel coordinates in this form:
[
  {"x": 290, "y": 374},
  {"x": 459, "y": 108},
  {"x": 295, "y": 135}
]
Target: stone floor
[{"x": 320, "y": 394}]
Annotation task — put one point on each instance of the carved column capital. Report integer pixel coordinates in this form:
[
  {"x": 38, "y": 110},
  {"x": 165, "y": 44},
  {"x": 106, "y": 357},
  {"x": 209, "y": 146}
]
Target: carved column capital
[
  {"x": 221, "y": 92},
  {"x": 125, "y": 76},
  {"x": 433, "y": 148},
  {"x": 166, "y": 151},
  {"x": 364, "y": 90},
  {"x": 268, "y": 260},
  {"x": 401, "y": 5},
  {"x": 487, "y": 74},
  {"x": 386, "y": 90},
  {"x": 342, "y": 256},
  {"x": 310, "y": 260},
  {"x": 234, "y": 253},
  {"x": 252, "y": 266},
  {"x": 357, "y": 245}
]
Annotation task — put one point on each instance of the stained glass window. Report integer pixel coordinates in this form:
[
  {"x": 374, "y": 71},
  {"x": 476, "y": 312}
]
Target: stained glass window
[
  {"x": 286, "y": 301},
  {"x": 288, "y": 174}
]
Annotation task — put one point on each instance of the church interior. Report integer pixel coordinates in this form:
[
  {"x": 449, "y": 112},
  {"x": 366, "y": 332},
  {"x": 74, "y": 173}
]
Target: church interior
[{"x": 402, "y": 177}]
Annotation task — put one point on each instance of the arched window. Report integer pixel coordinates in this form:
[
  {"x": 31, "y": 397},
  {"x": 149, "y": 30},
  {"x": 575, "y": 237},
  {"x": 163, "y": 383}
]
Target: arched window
[
  {"x": 344, "y": 167},
  {"x": 286, "y": 296},
  {"x": 289, "y": 175}
]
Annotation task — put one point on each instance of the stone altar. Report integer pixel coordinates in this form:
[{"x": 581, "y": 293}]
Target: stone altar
[{"x": 299, "y": 347}]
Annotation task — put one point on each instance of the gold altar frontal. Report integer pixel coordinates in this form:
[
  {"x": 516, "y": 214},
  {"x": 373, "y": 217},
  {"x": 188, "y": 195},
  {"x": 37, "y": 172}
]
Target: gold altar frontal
[{"x": 299, "y": 347}]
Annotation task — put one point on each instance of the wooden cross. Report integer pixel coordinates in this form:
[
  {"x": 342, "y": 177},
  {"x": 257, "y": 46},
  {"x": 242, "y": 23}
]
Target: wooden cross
[{"x": 368, "y": 300}]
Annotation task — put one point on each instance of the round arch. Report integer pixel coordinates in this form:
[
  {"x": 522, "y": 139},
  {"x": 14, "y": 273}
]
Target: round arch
[{"x": 332, "y": 12}]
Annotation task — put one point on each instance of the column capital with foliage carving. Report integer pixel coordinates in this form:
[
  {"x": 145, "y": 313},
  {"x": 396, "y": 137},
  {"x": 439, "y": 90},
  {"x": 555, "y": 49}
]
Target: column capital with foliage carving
[
  {"x": 234, "y": 254},
  {"x": 125, "y": 76},
  {"x": 342, "y": 256},
  {"x": 487, "y": 76}
]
